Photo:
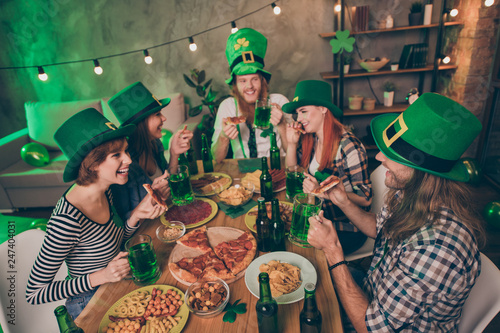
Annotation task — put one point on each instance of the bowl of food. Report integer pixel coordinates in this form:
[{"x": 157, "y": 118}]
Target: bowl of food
[
  {"x": 236, "y": 195},
  {"x": 207, "y": 297},
  {"x": 373, "y": 64},
  {"x": 171, "y": 232}
]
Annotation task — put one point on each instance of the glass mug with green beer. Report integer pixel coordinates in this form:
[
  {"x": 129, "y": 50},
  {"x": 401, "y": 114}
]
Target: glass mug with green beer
[
  {"x": 294, "y": 180},
  {"x": 305, "y": 205},
  {"x": 180, "y": 186},
  {"x": 262, "y": 118},
  {"x": 142, "y": 259}
]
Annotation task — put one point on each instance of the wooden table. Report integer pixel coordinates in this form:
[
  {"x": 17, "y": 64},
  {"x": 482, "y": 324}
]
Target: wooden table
[{"x": 108, "y": 294}]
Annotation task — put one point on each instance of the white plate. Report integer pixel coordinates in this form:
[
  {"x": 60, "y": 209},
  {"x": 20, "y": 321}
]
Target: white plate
[{"x": 307, "y": 274}]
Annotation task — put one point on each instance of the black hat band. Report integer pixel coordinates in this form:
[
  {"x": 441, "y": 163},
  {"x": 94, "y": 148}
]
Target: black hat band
[
  {"x": 151, "y": 106},
  {"x": 247, "y": 58}
]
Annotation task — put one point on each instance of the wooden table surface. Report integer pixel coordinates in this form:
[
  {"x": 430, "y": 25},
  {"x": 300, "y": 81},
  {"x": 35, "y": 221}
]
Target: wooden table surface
[{"x": 288, "y": 314}]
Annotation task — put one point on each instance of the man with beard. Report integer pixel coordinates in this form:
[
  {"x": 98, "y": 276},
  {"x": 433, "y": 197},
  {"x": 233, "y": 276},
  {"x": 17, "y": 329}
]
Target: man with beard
[
  {"x": 426, "y": 257},
  {"x": 245, "y": 52}
]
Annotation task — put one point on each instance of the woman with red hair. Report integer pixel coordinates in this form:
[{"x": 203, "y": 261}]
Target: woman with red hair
[{"x": 326, "y": 148}]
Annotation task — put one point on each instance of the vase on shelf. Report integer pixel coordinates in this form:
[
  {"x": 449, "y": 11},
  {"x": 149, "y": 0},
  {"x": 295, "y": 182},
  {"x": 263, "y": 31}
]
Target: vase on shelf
[
  {"x": 355, "y": 102},
  {"x": 388, "y": 98},
  {"x": 415, "y": 18},
  {"x": 346, "y": 68}
]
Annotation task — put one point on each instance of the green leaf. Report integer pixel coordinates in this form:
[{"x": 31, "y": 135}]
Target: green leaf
[
  {"x": 211, "y": 95},
  {"x": 207, "y": 84},
  {"x": 189, "y": 82},
  {"x": 201, "y": 76},
  {"x": 240, "y": 308},
  {"x": 229, "y": 316},
  {"x": 195, "y": 110},
  {"x": 200, "y": 91}
]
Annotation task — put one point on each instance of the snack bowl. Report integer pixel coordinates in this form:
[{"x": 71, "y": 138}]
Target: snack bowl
[
  {"x": 172, "y": 232},
  {"x": 373, "y": 64},
  {"x": 237, "y": 195},
  {"x": 209, "y": 289}
]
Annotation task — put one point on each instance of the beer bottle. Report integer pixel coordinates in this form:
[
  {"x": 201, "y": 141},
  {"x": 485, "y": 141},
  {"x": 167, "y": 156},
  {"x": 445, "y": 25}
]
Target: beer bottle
[
  {"x": 191, "y": 159},
  {"x": 65, "y": 322},
  {"x": 277, "y": 228},
  {"x": 310, "y": 317},
  {"x": 266, "y": 181},
  {"x": 206, "y": 155},
  {"x": 263, "y": 227},
  {"x": 183, "y": 160},
  {"x": 275, "y": 153},
  {"x": 266, "y": 307}
]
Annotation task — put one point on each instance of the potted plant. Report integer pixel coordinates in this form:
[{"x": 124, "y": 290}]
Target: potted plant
[
  {"x": 389, "y": 89},
  {"x": 347, "y": 62},
  {"x": 415, "y": 16}
]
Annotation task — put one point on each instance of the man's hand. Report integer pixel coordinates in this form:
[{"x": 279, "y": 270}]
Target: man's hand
[
  {"x": 322, "y": 234},
  {"x": 276, "y": 114},
  {"x": 229, "y": 131}
]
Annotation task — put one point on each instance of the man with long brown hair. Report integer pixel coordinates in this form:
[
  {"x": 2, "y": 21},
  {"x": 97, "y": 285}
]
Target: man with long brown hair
[
  {"x": 245, "y": 51},
  {"x": 426, "y": 257}
]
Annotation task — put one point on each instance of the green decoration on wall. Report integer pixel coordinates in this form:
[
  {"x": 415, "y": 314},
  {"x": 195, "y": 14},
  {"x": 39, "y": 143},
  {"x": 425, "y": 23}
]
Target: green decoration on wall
[
  {"x": 491, "y": 214},
  {"x": 35, "y": 154},
  {"x": 342, "y": 42}
]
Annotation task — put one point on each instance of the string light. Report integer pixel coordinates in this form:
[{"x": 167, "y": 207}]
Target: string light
[
  {"x": 338, "y": 7},
  {"x": 454, "y": 12},
  {"x": 97, "y": 68},
  {"x": 276, "y": 9},
  {"x": 192, "y": 45},
  {"x": 147, "y": 58},
  {"x": 234, "y": 28},
  {"x": 446, "y": 60},
  {"x": 489, "y": 3},
  {"x": 41, "y": 74}
]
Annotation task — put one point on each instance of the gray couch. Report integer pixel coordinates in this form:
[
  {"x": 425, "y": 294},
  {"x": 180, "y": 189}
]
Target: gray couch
[{"x": 24, "y": 186}]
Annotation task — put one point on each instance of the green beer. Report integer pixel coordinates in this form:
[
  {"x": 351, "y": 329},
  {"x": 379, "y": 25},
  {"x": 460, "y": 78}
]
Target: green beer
[
  {"x": 142, "y": 260},
  {"x": 262, "y": 117},
  {"x": 294, "y": 181},
  {"x": 180, "y": 186},
  {"x": 304, "y": 207}
]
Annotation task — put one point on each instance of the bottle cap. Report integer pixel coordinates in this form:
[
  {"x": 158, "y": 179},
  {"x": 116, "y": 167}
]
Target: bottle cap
[{"x": 310, "y": 286}]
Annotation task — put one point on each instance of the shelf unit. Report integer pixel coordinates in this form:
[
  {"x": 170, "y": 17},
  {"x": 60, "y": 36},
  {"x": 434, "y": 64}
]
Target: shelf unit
[{"x": 363, "y": 73}]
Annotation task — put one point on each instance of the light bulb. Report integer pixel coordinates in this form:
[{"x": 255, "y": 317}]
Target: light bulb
[
  {"x": 192, "y": 44},
  {"x": 454, "y": 12},
  {"x": 338, "y": 8},
  {"x": 147, "y": 58},
  {"x": 97, "y": 68},
  {"x": 234, "y": 28},
  {"x": 489, "y": 3},
  {"x": 41, "y": 74},
  {"x": 446, "y": 60},
  {"x": 276, "y": 9}
]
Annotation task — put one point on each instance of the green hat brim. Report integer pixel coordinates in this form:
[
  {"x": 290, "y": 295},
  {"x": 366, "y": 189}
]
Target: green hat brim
[
  {"x": 249, "y": 70},
  {"x": 164, "y": 102},
  {"x": 291, "y": 107},
  {"x": 72, "y": 168},
  {"x": 380, "y": 123}
]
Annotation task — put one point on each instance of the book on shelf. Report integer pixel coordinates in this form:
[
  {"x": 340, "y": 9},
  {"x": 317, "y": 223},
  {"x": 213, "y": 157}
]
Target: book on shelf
[
  {"x": 414, "y": 56},
  {"x": 360, "y": 15}
]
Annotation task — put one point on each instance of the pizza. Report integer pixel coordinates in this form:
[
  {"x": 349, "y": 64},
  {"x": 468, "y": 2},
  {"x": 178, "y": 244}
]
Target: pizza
[
  {"x": 196, "y": 239},
  {"x": 237, "y": 254},
  {"x": 156, "y": 197},
  {"x": 326, "y": 186},
  {"x": 235, "y": 120},
  {"x": 224, "y": 261}
]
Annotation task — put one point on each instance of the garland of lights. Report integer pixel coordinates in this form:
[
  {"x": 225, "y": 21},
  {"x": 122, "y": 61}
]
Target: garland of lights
[{"x": 147, "y": 58}]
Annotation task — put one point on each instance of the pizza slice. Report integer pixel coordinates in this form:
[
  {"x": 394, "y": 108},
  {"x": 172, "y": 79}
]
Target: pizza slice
[
  {"x": 235, "y": 120},
  {"x": 196, "y": 239},
  {"x": 238, "y": 253},
  {"x": 189, "y": 269},
  {"x": 155, "y": 195},
  {"x": 215, "y": 267},
  {"x": 326, "y": 186}
]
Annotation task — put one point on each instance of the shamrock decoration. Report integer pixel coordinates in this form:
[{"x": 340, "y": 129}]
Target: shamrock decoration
[
  {"x": 241, "y": 42},
  {"x": 232, "y": 310},
  {"x": 342, "y": 42}
]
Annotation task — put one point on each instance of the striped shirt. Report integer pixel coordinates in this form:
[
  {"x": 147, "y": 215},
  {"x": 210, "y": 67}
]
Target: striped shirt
[
  {"x": 85, "y": 246},
  {"x": 421, "y": 284}
]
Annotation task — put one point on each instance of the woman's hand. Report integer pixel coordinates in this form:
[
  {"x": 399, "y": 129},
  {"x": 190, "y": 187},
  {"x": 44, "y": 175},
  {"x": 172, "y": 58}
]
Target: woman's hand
[
  {"x": 292, "y": 136},
  {"x": 276, "y": 114},
  {"x": 179, "y": 143},
  {"x": 310, "y": 183},
  {"x": 161, "y": 185},
  {"x": 229, "y": 131},
  {"x": 146, "y": 209},
  {"x": 115, "y": 271}
]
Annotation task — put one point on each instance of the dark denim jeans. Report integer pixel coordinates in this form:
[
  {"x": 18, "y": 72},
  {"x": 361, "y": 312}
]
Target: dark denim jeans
[{"x": 76, "y": 304}]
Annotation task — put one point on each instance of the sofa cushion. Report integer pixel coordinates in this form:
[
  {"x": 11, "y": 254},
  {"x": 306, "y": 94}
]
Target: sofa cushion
[{"x": 44, "y": 118}]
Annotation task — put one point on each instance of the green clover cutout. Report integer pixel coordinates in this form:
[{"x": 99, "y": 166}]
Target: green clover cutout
[
  {"x": 233, "y": 310},
  {"x": 342, "y": 42}
]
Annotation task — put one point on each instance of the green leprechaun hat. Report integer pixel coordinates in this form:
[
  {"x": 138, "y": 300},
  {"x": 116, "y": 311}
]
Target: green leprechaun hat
[
  {"x": 134, "y": 103},
  {"x": 312, "y": 92},
  {"x": 81, "y": 133},
  {"x": 245, "y": 52},
  {"x": 430, "y": 135}
]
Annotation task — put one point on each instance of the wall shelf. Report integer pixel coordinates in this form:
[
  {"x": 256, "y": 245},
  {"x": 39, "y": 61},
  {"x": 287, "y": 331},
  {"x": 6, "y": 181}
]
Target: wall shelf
[
  {"x": 363, "y": 73},
  {"x": 379, "y": 109}
]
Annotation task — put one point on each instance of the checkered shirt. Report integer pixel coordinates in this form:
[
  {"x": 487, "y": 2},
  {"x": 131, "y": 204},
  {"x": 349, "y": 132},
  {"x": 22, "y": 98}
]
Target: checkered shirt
[
  {"x": 351, "y": 165},
  {"x": 421, "y": 284}
]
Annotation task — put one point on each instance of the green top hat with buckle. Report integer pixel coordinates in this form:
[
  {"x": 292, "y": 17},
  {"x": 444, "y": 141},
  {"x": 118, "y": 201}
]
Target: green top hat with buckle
[
  {"x": 134, "y": 103},
  {"x": 430, "y": 135},
  {"x": 245, "y": 52},
  {"x": 312, "y": 92},
  {"x": 81, "y": 133}
]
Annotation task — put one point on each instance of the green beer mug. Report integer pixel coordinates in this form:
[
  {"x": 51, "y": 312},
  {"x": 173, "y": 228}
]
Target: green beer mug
[
  {"x": 142, "y": 259},
  {"x": 262, "y": 118},
  {"x": 294, "y": 180},
  {"x": 180, "y": 186},
  {"x": 305, "y": 205}
]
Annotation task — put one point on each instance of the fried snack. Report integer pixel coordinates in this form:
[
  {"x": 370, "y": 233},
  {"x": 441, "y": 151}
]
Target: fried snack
[
  {"x": 122, "y": 326},
  {"x": 162, "y": 324},
  {"x": 252, "y": 177},
  {"x": 133, "y": 306},
  {"x": 284, "y": 278},
  {"x": 235, "y": 195}
]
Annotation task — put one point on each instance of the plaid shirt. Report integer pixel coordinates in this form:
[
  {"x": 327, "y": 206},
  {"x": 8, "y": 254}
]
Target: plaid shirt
[
  {"x": 421, "y": 284},
  {"x": 351, "y": 165}
]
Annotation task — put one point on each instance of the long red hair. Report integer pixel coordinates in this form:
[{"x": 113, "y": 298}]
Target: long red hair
[{"x": 332, "y": 131}]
